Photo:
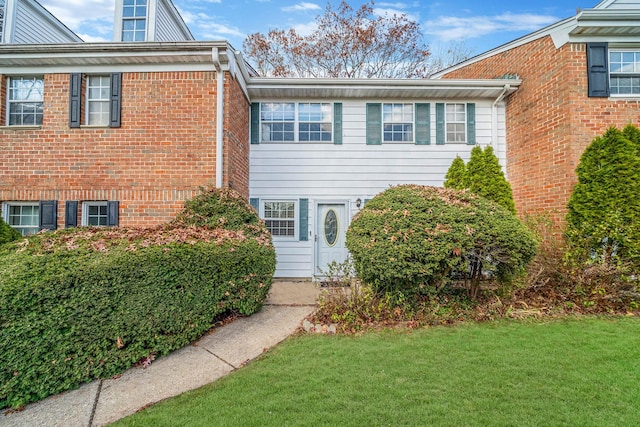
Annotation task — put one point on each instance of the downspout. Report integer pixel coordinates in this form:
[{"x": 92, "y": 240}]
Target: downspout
[
  {"x": 219, "y": 116},
  {"x": 494, "y": 117}
]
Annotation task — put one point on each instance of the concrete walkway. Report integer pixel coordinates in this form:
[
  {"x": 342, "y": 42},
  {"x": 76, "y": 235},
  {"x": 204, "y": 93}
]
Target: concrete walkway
[{"x": 224, "y": 350}]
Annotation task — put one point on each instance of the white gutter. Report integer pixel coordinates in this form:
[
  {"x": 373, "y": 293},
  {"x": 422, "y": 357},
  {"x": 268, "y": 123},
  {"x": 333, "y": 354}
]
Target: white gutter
[
  {"x": 216, "y": 54},
  {"x": 494, "y": 120}
]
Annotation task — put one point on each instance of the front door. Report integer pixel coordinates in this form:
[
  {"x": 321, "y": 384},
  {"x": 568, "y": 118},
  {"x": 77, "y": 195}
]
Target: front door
[{"x": 331, "y": 226}]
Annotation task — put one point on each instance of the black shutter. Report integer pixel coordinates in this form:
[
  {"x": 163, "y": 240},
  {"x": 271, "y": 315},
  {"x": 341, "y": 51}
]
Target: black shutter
[
  {"x": 598, "y": 69},
  {"x": 112, "y": 213},
  {"x": 71, "y": 214},
  {"x": 255, "y": 123},
  {"x": 115, "y": 101},
  {"x": 75, "y": 100},
  {"x": 48, "y": 214}
]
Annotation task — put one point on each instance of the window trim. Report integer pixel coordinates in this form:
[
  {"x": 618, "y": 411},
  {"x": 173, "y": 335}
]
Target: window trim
[
  {"x": 297, "y": 122},
  {"x": 135, "y": 19},
  {"x": 610, "y": 74},
  {"x": 295, "y": 219},
  {"x": 5, "y": 215},
  {"x": 85, "y": 212},
  {"x": 9, "y": 101},
  {"x": 410, "y": 107},
  {"x": 463, "y": 122},
  {"x": 89, "y": 100}
]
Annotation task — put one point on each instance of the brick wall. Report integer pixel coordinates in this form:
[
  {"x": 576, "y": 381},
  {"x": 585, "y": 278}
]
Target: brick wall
[
  {"x": 162, "y": 153},
  {"x": 550, "y": 120},
  {"x": 236, "y": 137}
]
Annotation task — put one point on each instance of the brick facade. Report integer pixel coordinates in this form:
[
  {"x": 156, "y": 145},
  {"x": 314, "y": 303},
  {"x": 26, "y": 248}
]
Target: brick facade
[
  {"x": 550, "y": 119},
  {"x": 236, "y": 138},
  {"x": 164, "y": 150}
]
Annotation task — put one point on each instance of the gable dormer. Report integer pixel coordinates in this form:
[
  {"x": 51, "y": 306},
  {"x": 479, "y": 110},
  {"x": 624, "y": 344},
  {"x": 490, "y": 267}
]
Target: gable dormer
[
  {"x": 149, "y": 20},
  {"x": 28, "y": 22}
]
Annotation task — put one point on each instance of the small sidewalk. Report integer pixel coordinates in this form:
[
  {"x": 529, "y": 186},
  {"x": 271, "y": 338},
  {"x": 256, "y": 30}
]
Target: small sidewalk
[{"x": 220, "y": 352}]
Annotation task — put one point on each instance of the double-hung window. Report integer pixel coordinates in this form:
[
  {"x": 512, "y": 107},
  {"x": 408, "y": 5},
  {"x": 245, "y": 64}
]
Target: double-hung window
[
  {"x": 95, "y": 214},
  {"x": 624, "y": 72},
  {"x": 134, "y": 20},
  {"x": 23, "y": 216},
  {"x": 2, "y": 9},
  {"x": 456, "y": 123},
  {"x": 280, "y": 218},
  {"x": 296, "y": 122},
  {"x": 98, "y": 100},
  {"x": 397, "y": 122},
  {"x": 25, "y": 101}
]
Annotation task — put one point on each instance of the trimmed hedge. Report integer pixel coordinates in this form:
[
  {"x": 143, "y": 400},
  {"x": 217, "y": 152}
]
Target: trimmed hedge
[
  {"x": 412, "y": 238},
  {"x": 7, "y": 233},
  {"x": 88, "y": 303}
]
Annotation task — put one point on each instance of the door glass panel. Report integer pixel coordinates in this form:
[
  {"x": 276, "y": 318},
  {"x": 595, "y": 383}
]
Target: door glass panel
[{"x": 331, "y": 227}]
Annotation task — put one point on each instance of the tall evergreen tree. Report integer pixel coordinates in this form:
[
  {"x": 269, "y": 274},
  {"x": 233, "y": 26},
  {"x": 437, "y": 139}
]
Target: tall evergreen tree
[
  {"x": 486, "y": 178},
  {"x": 456, "y": 176},
  {"x": 603, "y": 219}
]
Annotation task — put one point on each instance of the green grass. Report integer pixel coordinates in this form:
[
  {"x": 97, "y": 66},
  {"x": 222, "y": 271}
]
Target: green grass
[{"x": 571, "y": 372}]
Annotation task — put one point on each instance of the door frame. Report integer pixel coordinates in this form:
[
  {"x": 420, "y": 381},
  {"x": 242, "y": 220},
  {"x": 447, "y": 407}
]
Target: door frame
[{"x": 316, "y": 227}]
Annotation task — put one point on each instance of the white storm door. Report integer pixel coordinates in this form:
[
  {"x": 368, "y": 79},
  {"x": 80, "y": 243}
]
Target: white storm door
[{"x": 331, "y": 227}]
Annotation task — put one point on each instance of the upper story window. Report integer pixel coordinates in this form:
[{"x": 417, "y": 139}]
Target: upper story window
[
  {"x": 624, "y": 72},
  {"x": 25, "y": 101},
  {"x": 397, "y": 122},
  {"x": 134, "y": 20},
  {"x": 296, "y": 122},
  {"x": 1, "y": 20},
  {"x": 456, "y": 122},
  {"x": 98, "y": 88}
]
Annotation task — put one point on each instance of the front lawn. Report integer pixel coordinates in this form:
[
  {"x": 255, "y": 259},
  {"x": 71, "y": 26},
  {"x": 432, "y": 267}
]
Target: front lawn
[{"x": 582, "y": 372}]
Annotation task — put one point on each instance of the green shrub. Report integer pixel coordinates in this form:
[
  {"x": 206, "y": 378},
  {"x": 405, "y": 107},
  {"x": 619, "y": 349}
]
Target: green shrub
[
  {"x": 456, "y": 177},
  {"x": 412, "y": 238},
  {"x": 87, "y": 303},
  {"x": 482, "y": 176},
  {"x": 7, "y": 233},
  {"x": 220, "y": 207},
  {"x": 603, "y": 219}
]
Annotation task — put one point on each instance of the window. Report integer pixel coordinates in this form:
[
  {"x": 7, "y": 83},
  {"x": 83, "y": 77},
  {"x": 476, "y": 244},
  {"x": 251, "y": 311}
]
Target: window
[
  {"x": 624, "y": 72},
  {"x": 456, "y": 122},
  {"x": 134, "y": 20},
  {"x": 98, "y": 100},
  {"x": 25, "y": 101},
  {"x": 95, "y": 214},
  {"x": 2, "y": 6},
  {"x": 291, "y": 122},
  {"x": 23, "y": 216},
  {"x": 397, "y": 122},
  {"x": 280, "y": 218}
]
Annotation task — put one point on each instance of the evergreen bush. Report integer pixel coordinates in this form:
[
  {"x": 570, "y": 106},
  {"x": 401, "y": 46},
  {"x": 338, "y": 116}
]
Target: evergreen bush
[
  {"x": 8, "y": 233},
  {"x": 87, "y": 303},
  {"x": 482, "y": 175},
  {"x": 603, "y": 218},
  {"x": 411, "y": 239}
]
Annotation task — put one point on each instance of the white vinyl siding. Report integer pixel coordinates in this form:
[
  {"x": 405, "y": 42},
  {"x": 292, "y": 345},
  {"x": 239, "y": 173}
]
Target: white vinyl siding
[
  {"x": 344, "y": 173},
  {"x": 169, "y": 27},
  {"x": 34, "y": 24}
]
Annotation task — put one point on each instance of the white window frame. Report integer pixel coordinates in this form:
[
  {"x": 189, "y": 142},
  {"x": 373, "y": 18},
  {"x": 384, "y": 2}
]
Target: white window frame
[
  {"x": 455, "y": 121},
  {"x": 295, "y": 220},
  {"x": 86, "y": 215},
  {"x": 296, "y": 120},
  {"x": 102, "y": 102},
  {"x": 395, "y": 118},
  {"x": 38, "y": 117},
  {"x": 3, "y": 12},
  {"x": 6, "y": 214},
  {"x": 135, "y": 19},
  {"x": 632, "y": 72}
]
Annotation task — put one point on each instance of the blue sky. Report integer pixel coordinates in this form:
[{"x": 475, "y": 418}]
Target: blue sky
[{"x": 480, "y": 25}]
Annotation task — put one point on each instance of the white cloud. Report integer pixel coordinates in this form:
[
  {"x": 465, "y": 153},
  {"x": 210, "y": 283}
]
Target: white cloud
[
  {"x": 393, "y": 5},
  {"x": 450, "y": 28},
  {"x": 305, "y": 29},
  {"x": 301, "y": 7},
  {"x": 74, "y": 13},
  {"x": 93, "y": 39},
  {"x": 213, "y": 31}
]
